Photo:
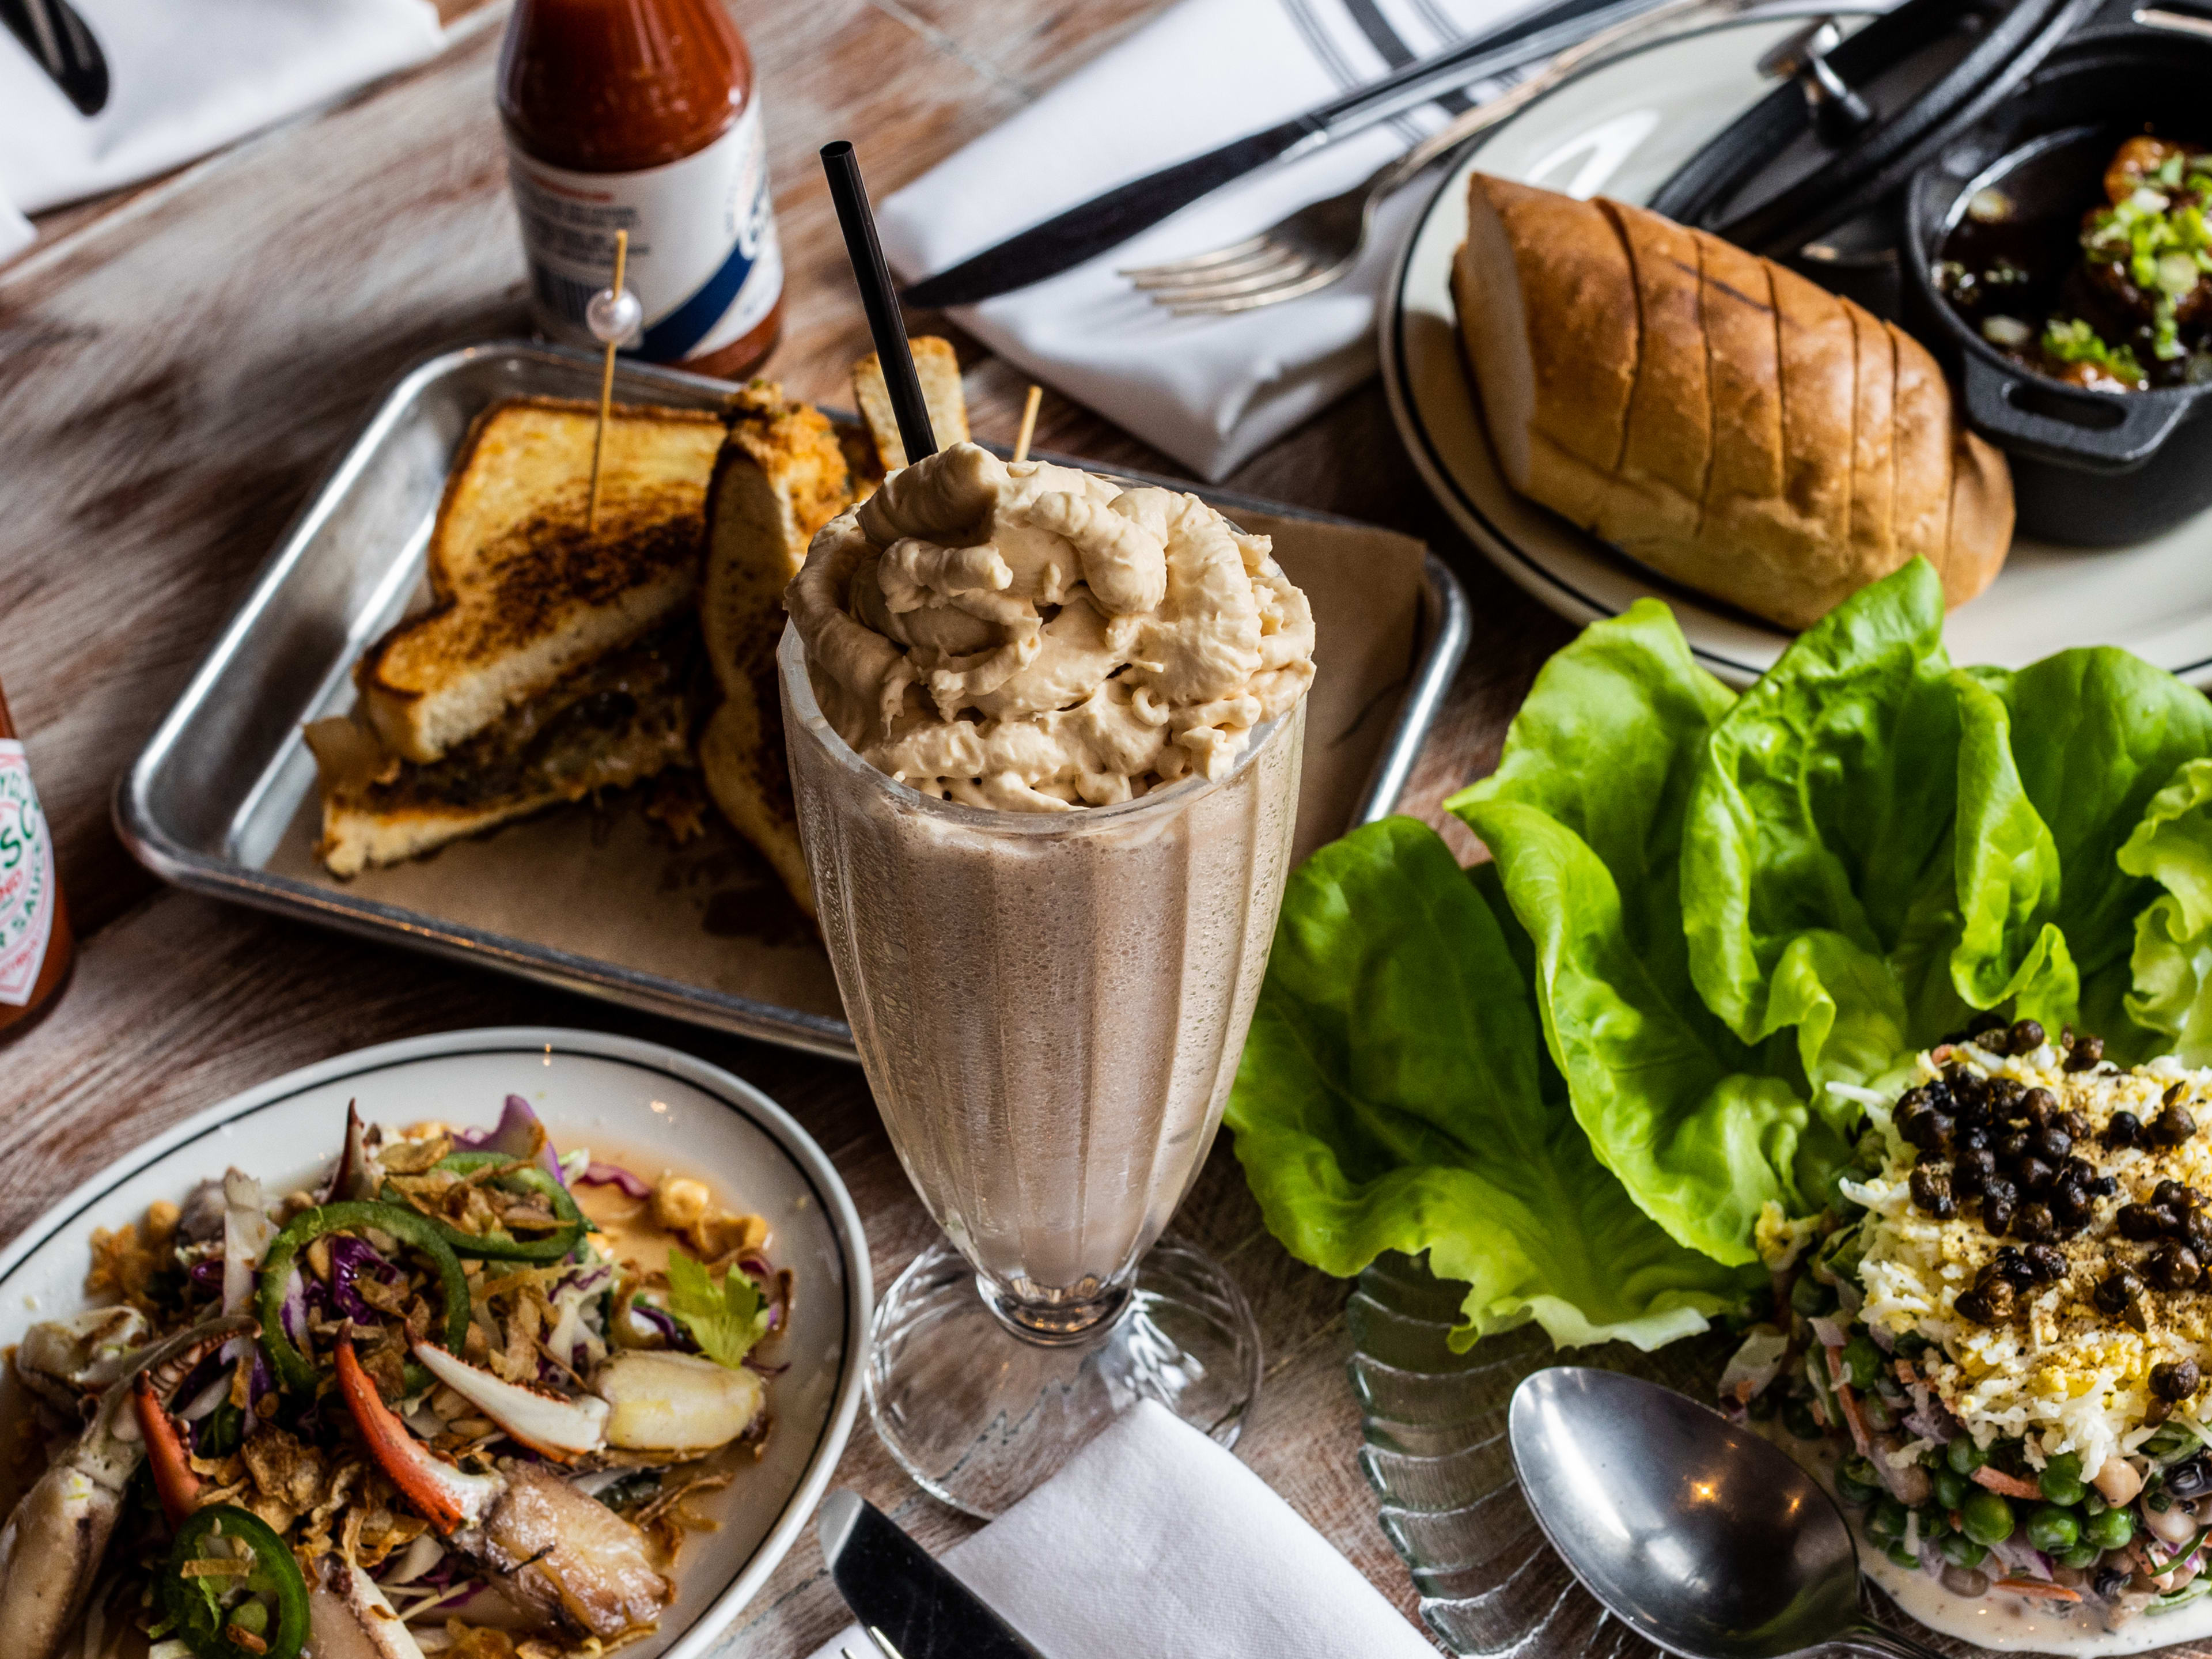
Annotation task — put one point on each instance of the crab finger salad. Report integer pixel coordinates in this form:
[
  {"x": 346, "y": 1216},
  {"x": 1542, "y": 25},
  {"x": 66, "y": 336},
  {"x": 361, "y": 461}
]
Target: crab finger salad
[
  {"x": 2000, "y": 1327},
  {"x": 462, "y": 1399}
]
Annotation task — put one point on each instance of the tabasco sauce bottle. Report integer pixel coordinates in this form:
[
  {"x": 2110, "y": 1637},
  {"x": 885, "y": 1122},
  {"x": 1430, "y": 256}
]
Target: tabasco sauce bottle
[
  {"x": 639, "y": 115},
  {"x": 35, "y": 945}
]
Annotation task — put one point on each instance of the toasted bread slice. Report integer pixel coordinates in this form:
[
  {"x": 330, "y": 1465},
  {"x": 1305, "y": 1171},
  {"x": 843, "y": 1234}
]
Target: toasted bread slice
[
  {"x": 748, "y": 771},
  {"x": 781, "y": 478},
  {"x": 522, "y": 593},
  {"x": 940, "y": 372},
  {"x": 610, "y": 724}
]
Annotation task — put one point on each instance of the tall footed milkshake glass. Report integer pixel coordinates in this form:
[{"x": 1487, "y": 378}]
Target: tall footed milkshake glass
[{"x": 1049, "y": 1007}]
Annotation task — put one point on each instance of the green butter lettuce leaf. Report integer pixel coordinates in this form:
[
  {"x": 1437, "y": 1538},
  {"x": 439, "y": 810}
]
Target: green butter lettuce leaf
[
  {"x": 726, "y": 1319},
  {"x": 1816, "y": 857},
  {"x": 1394, "y": 1095},
  {"x": 2091, "y": 737},
  {"x": 1584, "y": 818},
  {"x": 2010, "y": 948},
  {"x": 2170, "y": 992}
]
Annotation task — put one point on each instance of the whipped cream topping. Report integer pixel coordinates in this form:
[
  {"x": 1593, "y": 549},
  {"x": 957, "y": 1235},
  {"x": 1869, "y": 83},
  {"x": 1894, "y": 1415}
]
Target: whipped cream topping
[{"x": 1035, "y": 638}]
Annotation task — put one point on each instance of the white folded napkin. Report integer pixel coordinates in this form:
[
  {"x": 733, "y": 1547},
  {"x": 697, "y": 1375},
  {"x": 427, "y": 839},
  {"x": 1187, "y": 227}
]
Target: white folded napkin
[
  {"x": 1155, "y": 1543},
  {"x": 1208, "y": 390},
  {"x": 185, "y": 78}
]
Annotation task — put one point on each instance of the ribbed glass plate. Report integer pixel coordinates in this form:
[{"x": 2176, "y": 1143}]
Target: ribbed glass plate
[{"x": 1434, "y": 1450}]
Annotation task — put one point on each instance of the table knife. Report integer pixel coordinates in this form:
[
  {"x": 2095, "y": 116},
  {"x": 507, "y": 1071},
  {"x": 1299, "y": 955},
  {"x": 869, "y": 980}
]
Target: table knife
[
  {"x": 1083, "y": 232},
  {"x": 61, "y": 44},
  {"x": 910, "y": 1606}
]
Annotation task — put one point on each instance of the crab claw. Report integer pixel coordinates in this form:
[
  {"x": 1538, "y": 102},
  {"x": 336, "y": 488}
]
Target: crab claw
[
  {"x": 564, "y": 1430},
  {"x": 174, "y": 1483},
  {"x": 448, "y": 1497}
]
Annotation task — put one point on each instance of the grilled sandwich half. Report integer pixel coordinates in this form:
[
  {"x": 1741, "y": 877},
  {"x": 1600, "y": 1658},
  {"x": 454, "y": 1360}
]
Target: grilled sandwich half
[
  {"x": 781, "y": 478},
  {"x": 553, "y": 661}
]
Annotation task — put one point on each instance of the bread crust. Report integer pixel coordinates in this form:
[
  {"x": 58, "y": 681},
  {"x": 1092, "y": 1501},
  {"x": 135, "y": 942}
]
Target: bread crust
[
  {"x": 1818, "y": 352},
  {"x": 1982, "y": 513},
  {"x": 1921, "y": 424},
  {"x": 1578, "y": 296},
  {"x": 1874, "y": 463},
  {"x": 1668, "y": 446}
]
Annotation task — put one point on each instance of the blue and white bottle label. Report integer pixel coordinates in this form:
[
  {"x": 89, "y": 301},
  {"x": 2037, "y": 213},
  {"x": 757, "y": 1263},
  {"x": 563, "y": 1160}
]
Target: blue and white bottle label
[{"x": 703, "y": 258}]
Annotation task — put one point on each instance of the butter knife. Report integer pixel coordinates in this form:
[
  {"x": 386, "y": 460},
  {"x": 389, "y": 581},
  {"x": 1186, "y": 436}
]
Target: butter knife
[
  {"x": 1082, "y": 233},
  {"x": 911, "y": 1607},
  {"x": 63, "y": 45}
]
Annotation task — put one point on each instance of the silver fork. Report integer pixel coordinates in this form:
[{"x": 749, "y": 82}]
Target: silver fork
[{"x": 1317, "y": 245}]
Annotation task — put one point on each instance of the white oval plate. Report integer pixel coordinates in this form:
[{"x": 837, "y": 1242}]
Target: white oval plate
[
  {"x": 1623, "y": 129},
  {"x": 636, "y": 1098}
]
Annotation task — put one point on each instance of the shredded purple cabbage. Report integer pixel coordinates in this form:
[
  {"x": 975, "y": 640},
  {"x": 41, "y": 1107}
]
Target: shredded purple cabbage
[
  {"x": 672, "y": 1329},
  {"x": 518, "y": 1129},
  {"x": 613, "y": 1175},
  {"x": 351, "y": 1257}
]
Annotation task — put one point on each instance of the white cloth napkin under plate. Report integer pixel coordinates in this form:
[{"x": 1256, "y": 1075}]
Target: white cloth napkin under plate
[
  {"x": 1208, "y": 390},
  {"x": 186, "y": 77},
  {"x": 1155, "y": 1543}
]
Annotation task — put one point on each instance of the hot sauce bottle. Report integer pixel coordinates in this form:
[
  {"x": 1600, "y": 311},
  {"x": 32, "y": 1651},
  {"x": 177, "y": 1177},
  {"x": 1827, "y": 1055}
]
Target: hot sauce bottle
[
  {"x": 35, "y": 944},
  {"x": 639, "y": 115}
]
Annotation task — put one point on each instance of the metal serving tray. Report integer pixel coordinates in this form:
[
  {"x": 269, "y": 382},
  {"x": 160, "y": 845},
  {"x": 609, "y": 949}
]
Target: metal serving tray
[{"x": 222, "y": 798}]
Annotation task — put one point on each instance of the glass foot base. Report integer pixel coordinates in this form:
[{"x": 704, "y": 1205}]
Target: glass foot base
[{"x": 979, "y": 1414}]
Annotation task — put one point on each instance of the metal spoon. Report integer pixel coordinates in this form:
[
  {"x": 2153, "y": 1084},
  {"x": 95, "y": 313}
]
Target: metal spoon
[{"x": 1697, "y": 1534}]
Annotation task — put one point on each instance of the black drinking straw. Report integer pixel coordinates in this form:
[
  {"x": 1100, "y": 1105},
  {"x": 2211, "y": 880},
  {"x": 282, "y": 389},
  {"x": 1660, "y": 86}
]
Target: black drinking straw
[{"x": 879, "y": 298}]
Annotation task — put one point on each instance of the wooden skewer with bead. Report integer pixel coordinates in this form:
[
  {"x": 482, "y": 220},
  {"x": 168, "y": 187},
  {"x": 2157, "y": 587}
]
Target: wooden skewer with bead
[
  {"x": 1029, "y": 422},
  {"x": 612, "y": 316}
]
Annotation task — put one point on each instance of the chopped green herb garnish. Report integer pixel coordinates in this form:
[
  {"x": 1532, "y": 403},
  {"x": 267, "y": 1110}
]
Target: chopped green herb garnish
[
  {"x": 2075, "y": 342},
  {"x": 726, "y": 1319}
]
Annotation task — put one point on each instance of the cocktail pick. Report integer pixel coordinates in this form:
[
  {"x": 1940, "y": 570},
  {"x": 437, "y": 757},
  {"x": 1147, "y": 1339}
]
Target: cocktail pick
[
  {"x": 613, "y": 316},
  {"x": 1029, "y": 422},
  {"x": 879, "y": 298}
]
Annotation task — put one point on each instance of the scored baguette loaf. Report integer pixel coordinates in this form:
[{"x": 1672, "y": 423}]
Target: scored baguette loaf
[{"x": 1713, "y": 415}]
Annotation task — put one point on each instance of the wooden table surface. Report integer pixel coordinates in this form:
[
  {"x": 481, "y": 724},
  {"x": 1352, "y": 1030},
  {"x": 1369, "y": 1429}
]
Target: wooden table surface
[{"x": 180, "y": 362}]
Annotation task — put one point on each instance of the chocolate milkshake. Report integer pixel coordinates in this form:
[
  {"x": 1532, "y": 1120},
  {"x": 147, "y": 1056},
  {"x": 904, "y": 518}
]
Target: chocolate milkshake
[{"x": 1045, "y": 735}]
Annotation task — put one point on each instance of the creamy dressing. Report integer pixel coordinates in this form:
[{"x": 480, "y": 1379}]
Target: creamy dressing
[
  {"x": 2000, "y": 1621},
  {"x": 626, "y": 1223}
]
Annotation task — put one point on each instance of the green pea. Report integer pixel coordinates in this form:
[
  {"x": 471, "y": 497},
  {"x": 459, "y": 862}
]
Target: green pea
[
  {"x": 1961, "y": 1551},
  {"x": 2114, "y": 1529},
  {"x": 2060, "y": 1479},
  {"x": 1911, "y": 1344},
  {"x": 2051, "y": 1530},
  {"x": 1934, "y": 1523},
  {"x": 1810, "y": 1298},
  {"x": 1765, "y": 1404},
  {"x": 1985, "y": 1517},
  {"x": 1964, "y": 1455},
  {"x": 250, "y": 1616},
  {"x": 1863, "y": 1361},
  {"x": 1857, "y": 1482},
  {"x": 1797, "y": 1418},
  {"x": 2082, "y": 1557},
  {"x": 1951, "y": 1489},
  {"x": 2095, "y": 1503},
  {"x": 1903, "y": 1557},
  {"x": 1886, "y": 1522},
  {"x": 1877, "y": 1412}
]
